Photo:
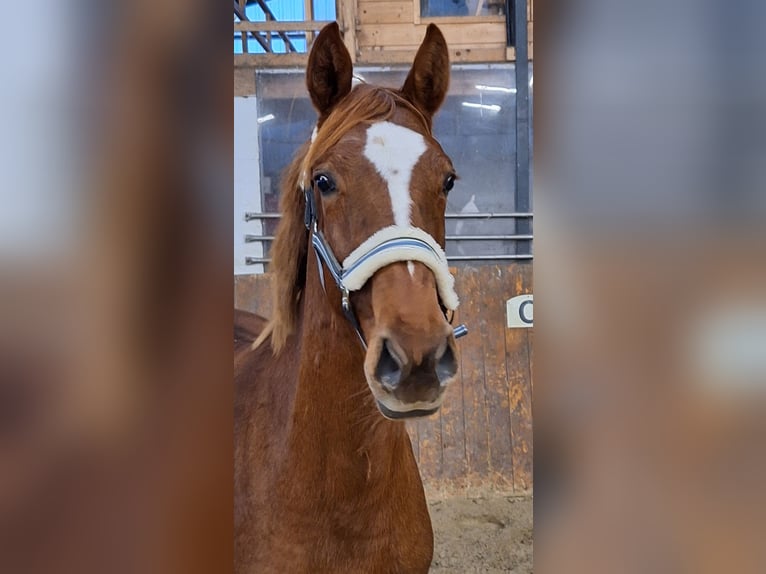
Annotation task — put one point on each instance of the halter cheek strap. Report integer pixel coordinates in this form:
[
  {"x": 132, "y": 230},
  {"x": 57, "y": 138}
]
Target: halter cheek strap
[{"x": 384, "y": 247}]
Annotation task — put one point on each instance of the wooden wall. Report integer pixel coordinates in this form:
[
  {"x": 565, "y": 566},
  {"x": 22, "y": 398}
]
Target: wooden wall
[
  {"x": 482, "y": 437},
  {"x": 390, "y": 31}
]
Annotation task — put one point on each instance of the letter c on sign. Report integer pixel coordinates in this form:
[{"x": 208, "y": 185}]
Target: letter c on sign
[
  {"x": 525, "y": 312},
  {"x": 519, "y": 311}
]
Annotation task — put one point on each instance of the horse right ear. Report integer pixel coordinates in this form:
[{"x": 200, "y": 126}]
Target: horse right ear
[
  {"x": 329, "y": 71},
  {"x": 426, "y": 84}
]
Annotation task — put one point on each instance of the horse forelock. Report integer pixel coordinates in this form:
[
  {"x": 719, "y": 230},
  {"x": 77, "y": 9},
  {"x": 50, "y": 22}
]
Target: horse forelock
[{"x": 365, "y": 104}]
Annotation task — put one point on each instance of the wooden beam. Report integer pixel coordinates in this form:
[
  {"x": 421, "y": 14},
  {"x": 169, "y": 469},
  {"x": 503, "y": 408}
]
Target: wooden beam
[
  {"x": 386, "y": 36},
  {"x": 395, "y": 12},
  {"x": 308, "y": 15},
  {"x": 239, "y": 12},
  {"x": 348, "y": 18},
  {"x": 291, "y": 60},
  {"x": 485, "y": 53},
  {"x": 244, "y": 82},
  {"x": 277, "y": 26}
]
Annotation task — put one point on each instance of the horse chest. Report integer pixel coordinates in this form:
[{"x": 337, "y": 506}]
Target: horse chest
[
  {"x": 352, "y": 536},
  {"x": 362, "y": 515}
]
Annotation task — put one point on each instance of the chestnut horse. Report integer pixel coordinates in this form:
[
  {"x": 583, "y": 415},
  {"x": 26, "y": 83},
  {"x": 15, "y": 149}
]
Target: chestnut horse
[{"x": 324, "y": 483}]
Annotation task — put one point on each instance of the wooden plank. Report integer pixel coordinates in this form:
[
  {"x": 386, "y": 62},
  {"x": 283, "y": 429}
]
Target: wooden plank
[
  {"x": 348, "y": 21},
  {"x": 270, "y": 60},
  {"x": 406, "y": 56},
  {"x": 430, "y": 447},
  {"x": 454, "y": 465},
  {"x": 517, "y": 345},
  {"x": 412, "y": 430},
  {"x": 387, "y": 35},
  {"x": 308, "y": 14},
  {"x": 253, "y": 293},
  {"x": 472, "y": 367},
  {"x": 281, "y": 26},
  {"x": 244, "y": 82},
  {"x": 441, "y": 21},
  {"x": 494, "y": 293},
  {"x": 384, "y": 12}
]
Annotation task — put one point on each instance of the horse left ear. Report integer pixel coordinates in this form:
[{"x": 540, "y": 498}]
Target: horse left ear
[
  {"x": 426, "y": 84},
  {"x": 329, "y": 71}
]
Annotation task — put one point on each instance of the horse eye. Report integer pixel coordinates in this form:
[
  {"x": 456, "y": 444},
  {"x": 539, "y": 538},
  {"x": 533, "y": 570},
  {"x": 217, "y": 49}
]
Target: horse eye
[
  {"x": 324, "y": 183},
  {"x": 449, "y": 183}
]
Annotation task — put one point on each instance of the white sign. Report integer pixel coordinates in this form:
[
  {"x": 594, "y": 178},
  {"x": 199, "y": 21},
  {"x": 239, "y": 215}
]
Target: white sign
[{"x": 519, "y": 312}]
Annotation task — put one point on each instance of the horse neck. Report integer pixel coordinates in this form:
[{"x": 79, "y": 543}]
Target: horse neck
[{"x": 334, "y": 415}]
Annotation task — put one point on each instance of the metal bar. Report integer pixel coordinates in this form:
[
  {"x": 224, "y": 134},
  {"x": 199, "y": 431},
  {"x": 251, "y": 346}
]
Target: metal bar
[
  {"x": 505, "y": 257},
  {"x": 517, "y": 215},
  {"x": 239, "y": 12},
  {"x": 250, "y": 215},
  {"x": 250, "y": 238},
  {"x": 489, "y": 237},
  {"x": 523, "y": 188},
  {"x": 258, "y": 38}
]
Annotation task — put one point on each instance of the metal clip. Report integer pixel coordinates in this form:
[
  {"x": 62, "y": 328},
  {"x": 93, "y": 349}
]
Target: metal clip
[
  {"x": 345, "y": 301},
  {"x": 309, "y": 214}
]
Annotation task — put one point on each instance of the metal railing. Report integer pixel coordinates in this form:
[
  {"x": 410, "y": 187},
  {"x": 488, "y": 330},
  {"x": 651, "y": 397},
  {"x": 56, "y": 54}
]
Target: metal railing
[{"x": 515, "y": 237}]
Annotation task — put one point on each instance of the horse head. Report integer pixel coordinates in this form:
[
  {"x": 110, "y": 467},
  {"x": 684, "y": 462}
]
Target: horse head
[{"x": 374, "y": 185}]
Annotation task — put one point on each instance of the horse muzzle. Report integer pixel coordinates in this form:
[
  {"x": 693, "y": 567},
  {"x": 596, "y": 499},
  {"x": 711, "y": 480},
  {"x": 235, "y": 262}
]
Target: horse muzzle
[{"x": 406, "y": 381}]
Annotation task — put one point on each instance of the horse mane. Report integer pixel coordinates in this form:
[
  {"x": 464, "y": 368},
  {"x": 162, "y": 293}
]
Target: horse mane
[{"x": 365, "y": 104}]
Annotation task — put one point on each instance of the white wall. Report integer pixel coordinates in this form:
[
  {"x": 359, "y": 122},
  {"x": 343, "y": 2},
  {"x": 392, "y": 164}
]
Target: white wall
[{"x": 247, "y": 181}]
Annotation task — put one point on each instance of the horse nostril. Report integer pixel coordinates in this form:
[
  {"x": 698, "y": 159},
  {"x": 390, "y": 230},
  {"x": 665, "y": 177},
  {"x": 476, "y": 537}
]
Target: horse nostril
[
  {"x": 388, "y": 371},
  {"x": 446, "y": 366}
]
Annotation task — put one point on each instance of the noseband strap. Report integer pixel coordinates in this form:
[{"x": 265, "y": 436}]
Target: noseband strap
[{"x": 384, "y": 247}]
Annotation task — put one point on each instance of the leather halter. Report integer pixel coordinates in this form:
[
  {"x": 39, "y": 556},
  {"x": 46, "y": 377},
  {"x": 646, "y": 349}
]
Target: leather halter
[{"x": 326, "y": 257}]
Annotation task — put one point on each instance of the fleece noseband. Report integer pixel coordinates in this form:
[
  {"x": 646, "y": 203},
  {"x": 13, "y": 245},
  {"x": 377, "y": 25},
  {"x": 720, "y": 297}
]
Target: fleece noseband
[{"x": 386, "y": 246}]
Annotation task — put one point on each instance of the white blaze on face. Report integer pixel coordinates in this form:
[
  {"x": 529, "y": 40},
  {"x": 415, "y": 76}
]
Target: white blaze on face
[{"x": 394, "y": 150}]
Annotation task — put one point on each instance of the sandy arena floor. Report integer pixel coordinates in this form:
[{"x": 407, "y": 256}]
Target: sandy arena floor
[{"x": 483, "y": 535}]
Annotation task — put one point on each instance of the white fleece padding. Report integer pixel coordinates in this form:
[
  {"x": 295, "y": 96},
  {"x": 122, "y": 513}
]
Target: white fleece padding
[{"x": 434, "y": 258}]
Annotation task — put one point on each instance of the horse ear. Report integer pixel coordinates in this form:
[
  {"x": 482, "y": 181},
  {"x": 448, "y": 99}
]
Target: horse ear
[
  {"x": 426, "y": 84},
  {"x": 329, "y": 71}
]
